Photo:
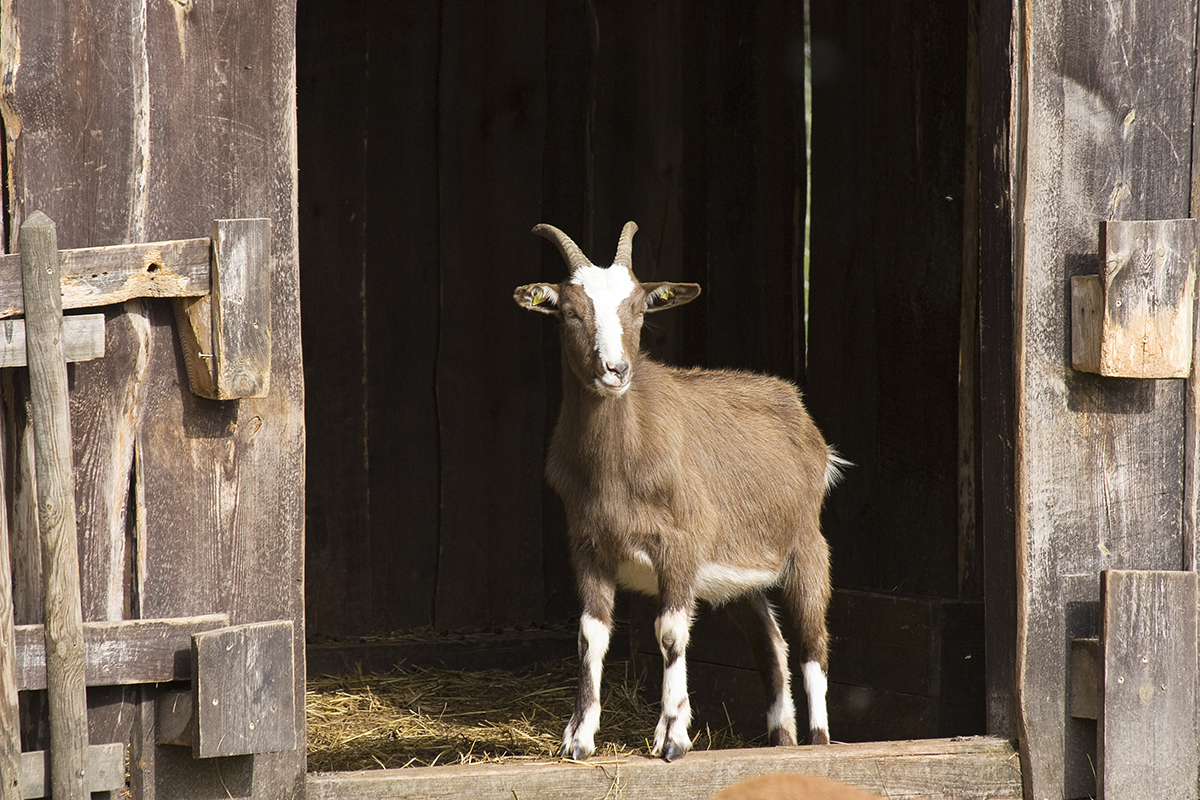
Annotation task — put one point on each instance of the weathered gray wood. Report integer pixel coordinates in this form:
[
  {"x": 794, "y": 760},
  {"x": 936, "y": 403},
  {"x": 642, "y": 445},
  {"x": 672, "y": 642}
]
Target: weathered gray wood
[
  {"x": 56, "y": 507},
  {"x": 121, "y": 653},
  {"x": 10, "y": 720},
  {"x": 1104, "y": 132},
  {"x": 105, "y": 770},
  {"x": 1140, "y": 323},
  {"x": 1146, "y": 734},
  {"x": 83, "y": 339},
  {"x": 1083, "y": 682},
  {"x": 226, "y": 335},
  {"x": 932, "y": 769},
  {"x": 245, "y": 690},
  {"x": 100, "y": 276}
]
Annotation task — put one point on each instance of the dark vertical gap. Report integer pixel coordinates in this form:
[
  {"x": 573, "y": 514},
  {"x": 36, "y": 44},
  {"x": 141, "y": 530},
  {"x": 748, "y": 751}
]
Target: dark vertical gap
[
  {"x": 133, "y": 600},
  {"x": 6, "y": 246}
]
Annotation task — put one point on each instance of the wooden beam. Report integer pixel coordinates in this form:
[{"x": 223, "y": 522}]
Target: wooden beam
[
  {"x": 226, "y": 335},
  {"x": 245, "y": 690},
  {"x": 56, "y": 508},
  {"x": 83, "y": 339},
  {"x": 105, "y": 770},
  {"x": 101, "y": 276},
  {"x": 1146, "y": 734},
  {"x": 121, "y": 653},
  {"x": 929, "y": 769}
]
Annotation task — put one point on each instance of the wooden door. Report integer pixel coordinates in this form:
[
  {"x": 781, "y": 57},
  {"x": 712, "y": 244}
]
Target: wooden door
[{"x": 128, "y": 122}]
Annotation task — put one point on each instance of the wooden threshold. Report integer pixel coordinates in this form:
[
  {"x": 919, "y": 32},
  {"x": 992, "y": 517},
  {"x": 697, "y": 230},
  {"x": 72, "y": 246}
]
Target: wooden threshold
[{"x": 973, "y": 768}]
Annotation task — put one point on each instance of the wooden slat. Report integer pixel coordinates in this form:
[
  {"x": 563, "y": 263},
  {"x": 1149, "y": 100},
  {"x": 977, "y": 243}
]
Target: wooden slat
[
  {"x": 83, "y": 339},
  {"x": 99, "y": 276},
  {"x": 105, "y": 770},
  {"x": 56, "y": 507},
  {"x": 1147, "y": 737},
  {"x": 10, "y": 719},
  {"x": 245, "y": 690},
  {"x": 121, "y": 653},
  {"x": 932, "y": 769}
]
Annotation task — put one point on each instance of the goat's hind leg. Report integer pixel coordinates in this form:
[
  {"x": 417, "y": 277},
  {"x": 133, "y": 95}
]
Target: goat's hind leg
[
  {"x": 672, "y": 627},
  {"x": 755, "y": 617},
  {"x": 806, "y": 591},
  {"x": 595, "y": 630}
]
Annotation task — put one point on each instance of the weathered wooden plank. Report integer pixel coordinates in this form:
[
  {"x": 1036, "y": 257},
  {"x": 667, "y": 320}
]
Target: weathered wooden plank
[
  {"x": 226, "y": 335},
  {"x": 83, "y": 339},
  {"x": 99, "y": 276},
  {"x": 10, "y": 719},
  {"x": 56, "y": 507},
  {"x": 121, "y": 653},
  {"x": 223, "y": 483},
  {"x": 105, "y": 770},
  {"x": 932, "y": 769},
  {"x": 245, "y": 689},
  {"x": 1107, "y": 130},
  {"x": 1134, "y": 319},
  {"x": 1083, "y": 680},
  {"x": 1147, "y": 737}
]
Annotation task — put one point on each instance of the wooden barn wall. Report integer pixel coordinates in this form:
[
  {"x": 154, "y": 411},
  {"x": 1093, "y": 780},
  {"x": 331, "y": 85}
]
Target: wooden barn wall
[
  {"x": 888, "y": 183},
  {"x": 1107, "y": 108},
  {"x": 433, "y": 136},
  {"x": 132, "y": 121}
]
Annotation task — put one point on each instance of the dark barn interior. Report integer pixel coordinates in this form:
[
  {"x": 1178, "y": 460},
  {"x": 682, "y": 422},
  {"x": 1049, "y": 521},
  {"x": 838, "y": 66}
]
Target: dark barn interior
[{"x": 434, "y": 135}]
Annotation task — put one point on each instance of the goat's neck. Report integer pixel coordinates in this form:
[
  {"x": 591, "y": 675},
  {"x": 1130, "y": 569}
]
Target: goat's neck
[{"x": 605, "y": 423}]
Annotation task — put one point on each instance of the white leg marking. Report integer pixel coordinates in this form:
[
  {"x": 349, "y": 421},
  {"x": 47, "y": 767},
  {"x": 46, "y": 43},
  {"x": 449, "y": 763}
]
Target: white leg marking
[
  {"x": 781, "y": 716},
  {"x": 815, "y": 686},
  {"x": 579, "y": 738},
  {"x": 670, "y": 736}
]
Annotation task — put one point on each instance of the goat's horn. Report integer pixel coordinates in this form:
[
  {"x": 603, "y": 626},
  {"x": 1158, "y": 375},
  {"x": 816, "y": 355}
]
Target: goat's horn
[
  {"x": 570, "y": 251},
  {"x": 625, "y": 246}
]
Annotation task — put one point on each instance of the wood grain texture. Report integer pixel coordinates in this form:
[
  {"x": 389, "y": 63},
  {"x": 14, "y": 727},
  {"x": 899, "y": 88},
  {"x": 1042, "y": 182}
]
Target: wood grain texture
[
  {"x": 223, "y": 483},
  {"x": 245, "y": 689},
  {"x": 933, "y": 769},
  {"x": 241, "y": 308},
  {"x": 10, "y": 722},
  {"x": 121, "y": 652},
  {"x": 107, "y": 275},
  {"x": 63, "y": 629},
  {"x": 105, "y": 770},
  {"x": 1099, "y": 462},
  {"x": 83, "y": 339},
  {"x": 1147, "y": 736}
]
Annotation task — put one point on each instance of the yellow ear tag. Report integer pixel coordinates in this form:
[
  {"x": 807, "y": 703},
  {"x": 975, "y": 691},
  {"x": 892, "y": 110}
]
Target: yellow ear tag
[
  {"x": 665, "y": 293},
  {"x": 539, "y": 297}
]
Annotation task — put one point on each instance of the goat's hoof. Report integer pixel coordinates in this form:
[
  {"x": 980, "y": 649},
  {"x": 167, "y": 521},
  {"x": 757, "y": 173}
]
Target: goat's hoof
[
  {"x": 818, "y": 736},
  {"x": 674, "y": 752},
  {"x": 781, "y": 737},
  {"x": 576, "y": 751}
]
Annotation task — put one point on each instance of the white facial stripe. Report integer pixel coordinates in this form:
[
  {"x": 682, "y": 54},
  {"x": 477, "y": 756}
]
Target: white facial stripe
[{"x": 607, "y": 288}]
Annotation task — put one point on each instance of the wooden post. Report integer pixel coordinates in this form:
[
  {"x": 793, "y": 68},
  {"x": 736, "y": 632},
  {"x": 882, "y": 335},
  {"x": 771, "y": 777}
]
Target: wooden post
[{"x": 56, "y": 508}]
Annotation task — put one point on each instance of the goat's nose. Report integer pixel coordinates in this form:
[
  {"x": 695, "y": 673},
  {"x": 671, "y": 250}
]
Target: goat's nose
[{"x": 618, "y": 368}]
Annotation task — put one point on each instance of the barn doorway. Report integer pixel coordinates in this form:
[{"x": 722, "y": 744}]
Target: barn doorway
[{"x": 434, "y": 135}]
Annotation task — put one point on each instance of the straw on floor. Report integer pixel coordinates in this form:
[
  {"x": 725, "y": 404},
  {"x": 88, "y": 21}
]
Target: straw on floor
[{"x": 413, "y": 717}]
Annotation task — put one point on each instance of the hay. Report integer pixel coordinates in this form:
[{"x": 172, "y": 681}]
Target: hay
[{"x": 413, "y": 717}]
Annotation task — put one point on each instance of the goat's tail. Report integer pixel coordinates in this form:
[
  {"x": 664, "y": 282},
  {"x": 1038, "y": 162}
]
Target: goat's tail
[{"x": 835, "y": 469}]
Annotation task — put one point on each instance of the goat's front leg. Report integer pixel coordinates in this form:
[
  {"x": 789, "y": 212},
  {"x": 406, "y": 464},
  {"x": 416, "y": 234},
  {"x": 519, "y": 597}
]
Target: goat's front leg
[
  {"x": 672, "y": 628},
  {"x": 595, "y": 629}
]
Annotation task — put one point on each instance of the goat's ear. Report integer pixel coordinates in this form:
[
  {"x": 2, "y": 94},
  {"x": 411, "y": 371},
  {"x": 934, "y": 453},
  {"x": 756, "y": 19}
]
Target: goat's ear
[
  {"x": 541, "y": 297},
  {"x": 665, "y": 295}
]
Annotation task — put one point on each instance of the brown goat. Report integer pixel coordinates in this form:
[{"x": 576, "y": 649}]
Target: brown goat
[{"x": 685, "y": 485}]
